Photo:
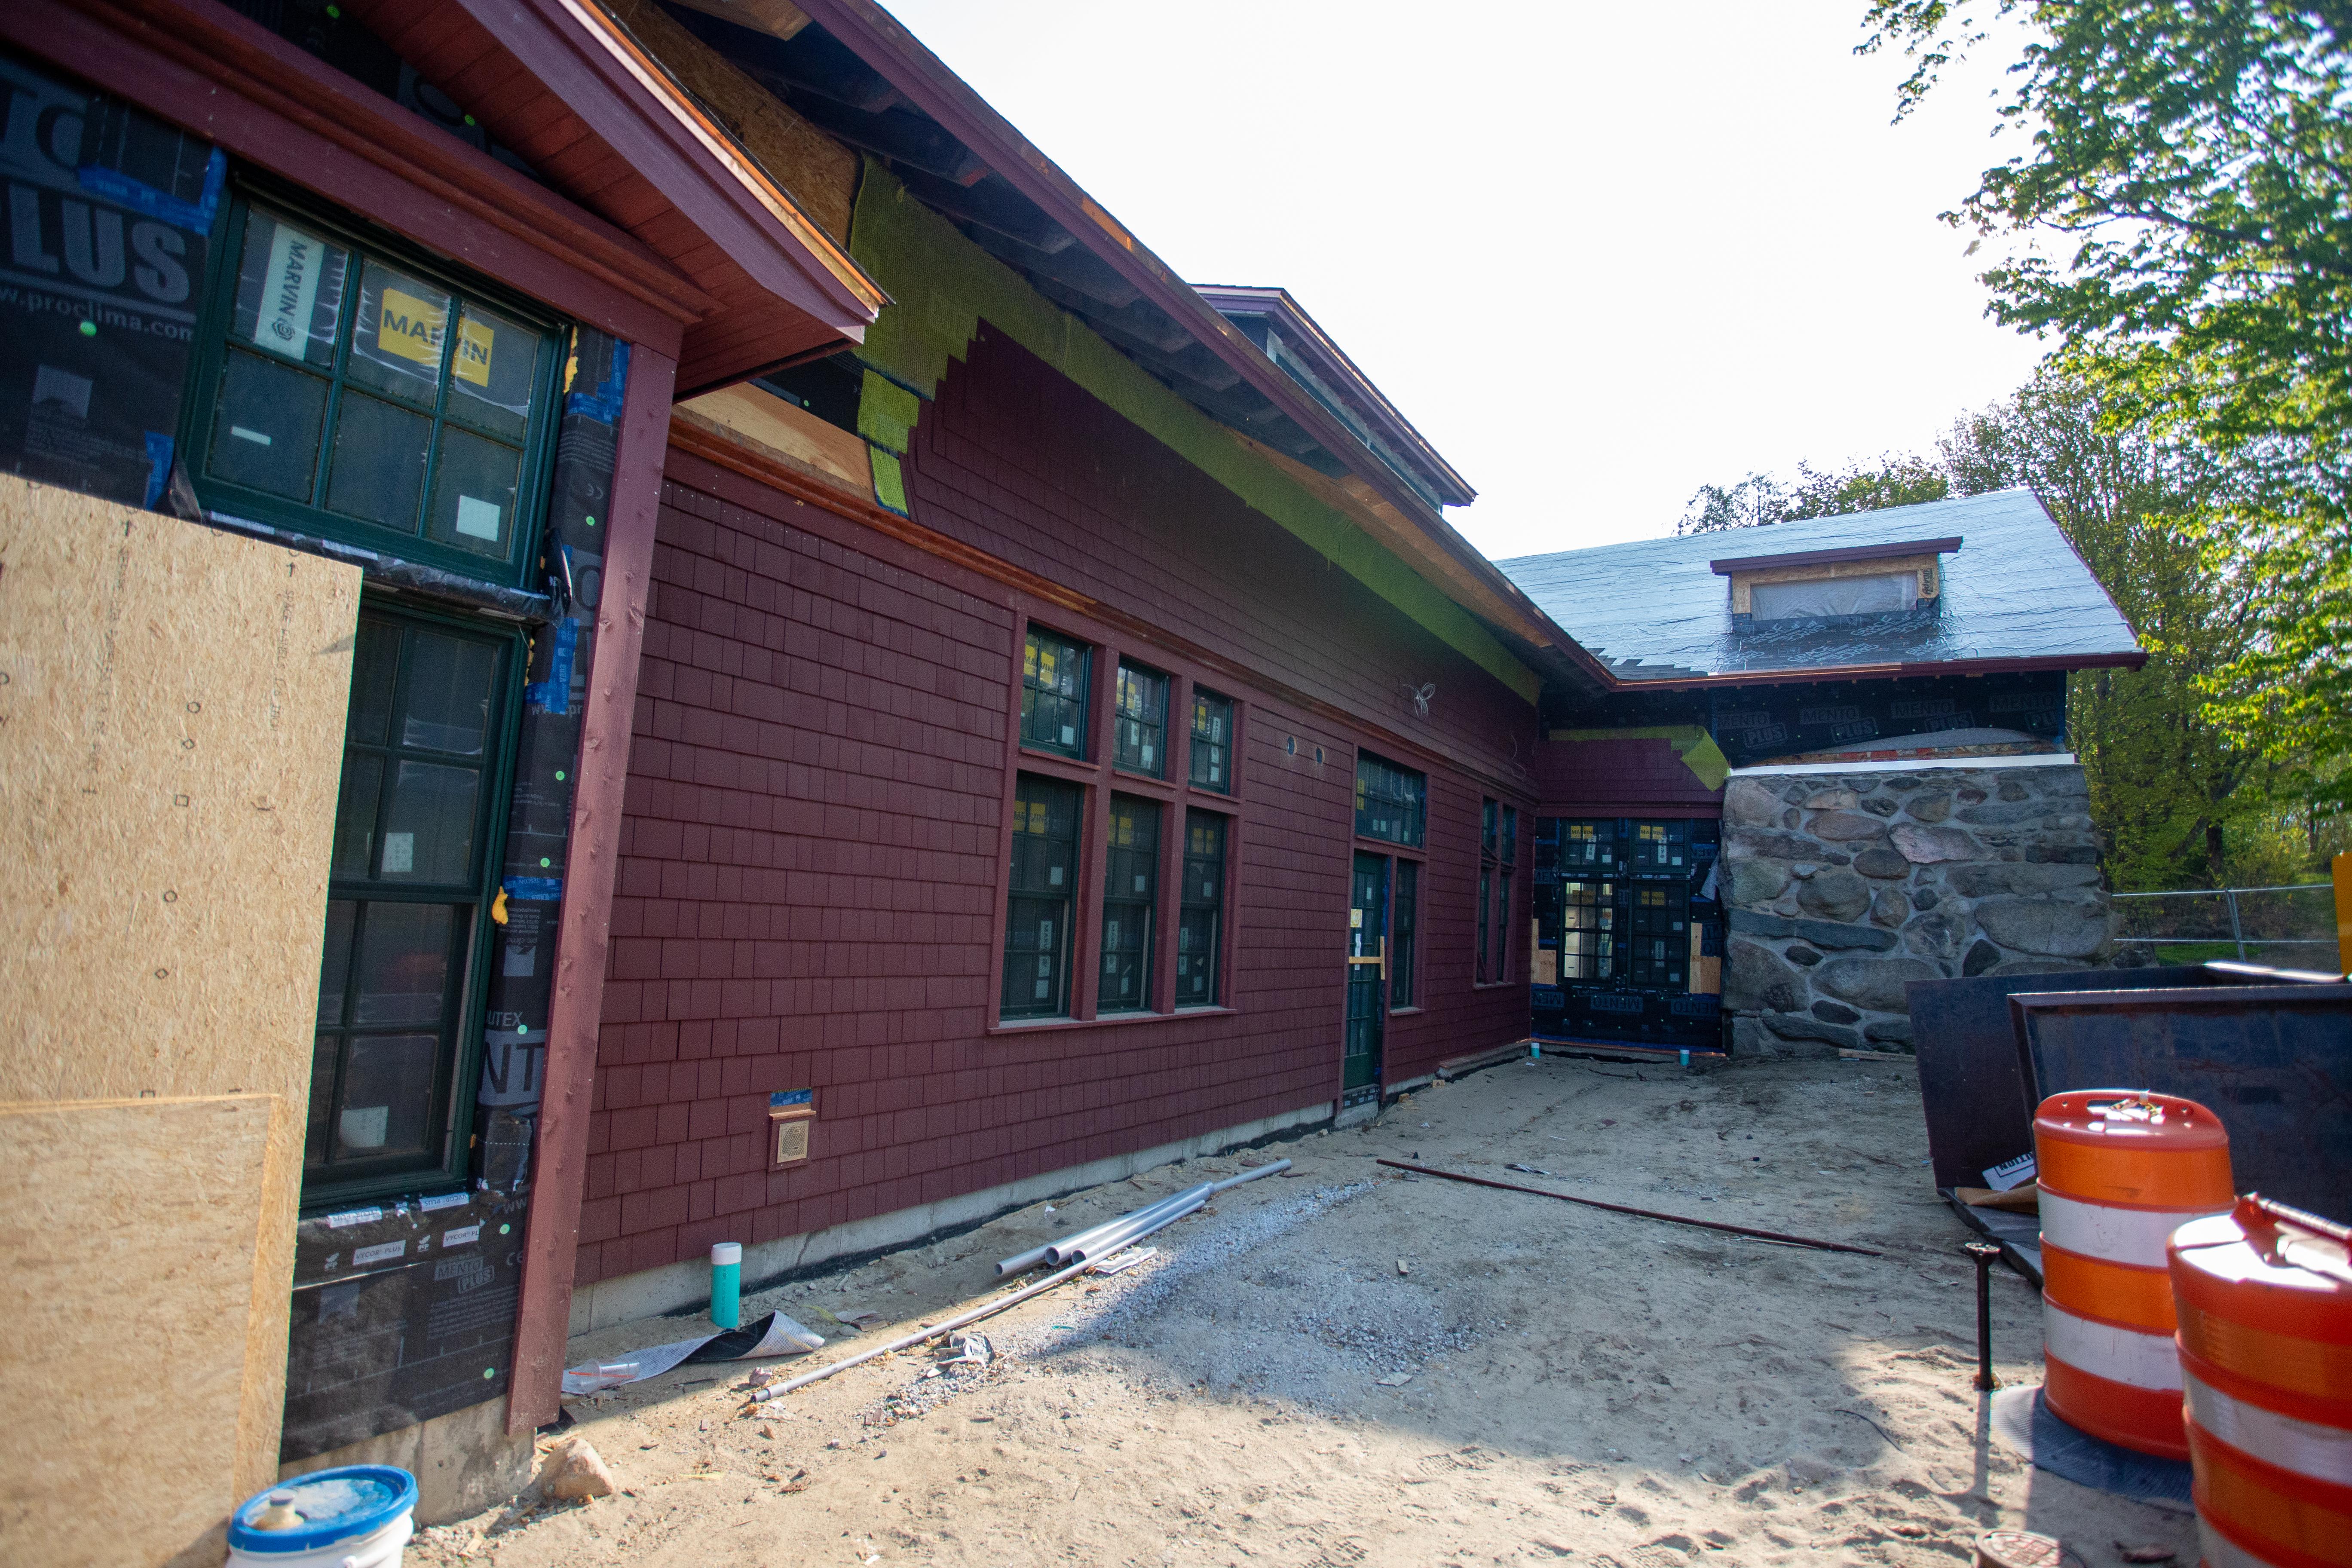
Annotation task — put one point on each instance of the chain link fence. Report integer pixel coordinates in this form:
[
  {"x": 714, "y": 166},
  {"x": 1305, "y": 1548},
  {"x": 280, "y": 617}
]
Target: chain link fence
[{"x": 2286, "y": 928}]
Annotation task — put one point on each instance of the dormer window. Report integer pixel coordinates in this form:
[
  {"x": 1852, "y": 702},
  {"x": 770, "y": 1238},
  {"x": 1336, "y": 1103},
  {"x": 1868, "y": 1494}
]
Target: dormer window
[{"x": 1833, "y": 587}]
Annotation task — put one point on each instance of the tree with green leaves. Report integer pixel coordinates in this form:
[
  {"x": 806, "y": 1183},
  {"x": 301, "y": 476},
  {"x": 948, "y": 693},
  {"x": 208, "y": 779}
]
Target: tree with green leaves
[
  {"x": 2193, "y": 164},
  {"x": 1896, "y": 479}
]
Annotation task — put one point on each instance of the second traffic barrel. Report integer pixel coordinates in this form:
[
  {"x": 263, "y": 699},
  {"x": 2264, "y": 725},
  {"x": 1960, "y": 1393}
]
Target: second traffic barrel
[
  {"x": 2265, "y": 1301},
  {"x": 2119, "y": 1171}
]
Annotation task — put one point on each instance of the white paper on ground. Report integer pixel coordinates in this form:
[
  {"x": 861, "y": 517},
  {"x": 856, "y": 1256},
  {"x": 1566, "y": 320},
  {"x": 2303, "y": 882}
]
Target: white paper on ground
[
  {"x": 766, "y": 1341},
  {"x": 2010, "y": 1174}
]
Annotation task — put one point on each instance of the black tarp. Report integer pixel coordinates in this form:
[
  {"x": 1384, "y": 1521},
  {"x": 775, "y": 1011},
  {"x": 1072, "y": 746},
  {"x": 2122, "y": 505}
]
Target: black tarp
[{"x": 109, "y": 211}]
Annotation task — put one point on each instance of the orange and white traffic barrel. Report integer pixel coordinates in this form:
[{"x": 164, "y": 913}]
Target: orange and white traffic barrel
[
  {"x": 2265, "y": 1300},
  {"x": 2119, "y": 1172}
]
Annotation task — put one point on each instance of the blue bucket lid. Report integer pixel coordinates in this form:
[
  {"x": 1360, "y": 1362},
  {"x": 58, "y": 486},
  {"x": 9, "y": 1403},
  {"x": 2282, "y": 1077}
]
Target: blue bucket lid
[{"x": 336, "y": 1505}]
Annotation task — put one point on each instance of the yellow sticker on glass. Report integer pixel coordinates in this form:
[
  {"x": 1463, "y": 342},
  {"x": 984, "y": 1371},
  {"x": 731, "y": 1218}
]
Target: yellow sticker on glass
[
  {"x": 476, "y": 339},
  {"x": 411, "y": 328}
]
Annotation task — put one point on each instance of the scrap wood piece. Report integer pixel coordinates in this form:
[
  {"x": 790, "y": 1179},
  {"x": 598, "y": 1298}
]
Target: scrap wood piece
[{"x": 1642, "y": 1214}]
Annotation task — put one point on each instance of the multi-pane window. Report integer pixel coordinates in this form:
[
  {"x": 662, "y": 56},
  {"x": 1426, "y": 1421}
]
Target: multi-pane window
[
  {"x": 1404, "y": 915},
  {"x": 1659, "y": 846},
  {"x": 353, "y": 394},
  {"x": 1213, "y": 741},
  {"x": 1037, "y": 910},
  {"x": 1138, "y": 715},
  {"x": 1660, "y": 946},
  {"x": 1498, "y": 855},
  {"x": 1485, "y": 887},
  {"x": 1390, "y": 802},
  {"x": 406, "y": 890},
  {"x": 1507, "y": 863},
  {"x": 1588, "y": 846},
  {"x": 1130, "y": 895},
  {"x": 1053, "y": 694},
  {"x": 1201, "y": 910},
  {"x": 1588, "y": 937}
]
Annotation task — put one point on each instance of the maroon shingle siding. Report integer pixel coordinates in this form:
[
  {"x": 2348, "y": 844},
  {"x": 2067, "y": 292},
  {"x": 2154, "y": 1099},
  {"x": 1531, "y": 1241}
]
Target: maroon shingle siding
[
  {"x": 810, "y": 872},
  {"x": 1640, "y": 777}
]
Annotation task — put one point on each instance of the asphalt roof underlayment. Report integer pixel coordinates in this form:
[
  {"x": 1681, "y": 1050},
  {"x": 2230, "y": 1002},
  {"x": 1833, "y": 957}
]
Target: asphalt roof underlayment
[{"x": 1656, "y": 610}]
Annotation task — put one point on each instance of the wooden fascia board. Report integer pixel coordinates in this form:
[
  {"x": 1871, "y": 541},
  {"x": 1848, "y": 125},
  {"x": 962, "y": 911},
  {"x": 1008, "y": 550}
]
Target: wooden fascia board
[
  {"x": 694, "y": 441},
  {"x": 1290, "y": 318},
  {"x": 1512, "y": 614},
  {"x": 1839, "y": 555},
  {"x": 1893, "y": 671},
  {"x": 203, "y": 66},
  {"x": 578, "y": 53}
]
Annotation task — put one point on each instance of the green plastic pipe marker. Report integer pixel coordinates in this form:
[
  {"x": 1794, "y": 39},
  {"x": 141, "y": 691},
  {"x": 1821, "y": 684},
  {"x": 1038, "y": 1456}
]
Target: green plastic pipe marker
[{"x": 726, "y": 1284}]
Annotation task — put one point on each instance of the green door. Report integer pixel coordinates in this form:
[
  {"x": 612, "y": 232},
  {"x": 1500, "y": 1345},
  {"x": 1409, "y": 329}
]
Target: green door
[{"x": 1367, "y": 927}]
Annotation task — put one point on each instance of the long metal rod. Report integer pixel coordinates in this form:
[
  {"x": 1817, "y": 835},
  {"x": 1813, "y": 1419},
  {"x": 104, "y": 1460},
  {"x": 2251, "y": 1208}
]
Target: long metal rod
[
  {"x": 1982, "y": 1253},
  {"x": 1642, "y": 1213},
  {"x": 903, "y": 1341}
]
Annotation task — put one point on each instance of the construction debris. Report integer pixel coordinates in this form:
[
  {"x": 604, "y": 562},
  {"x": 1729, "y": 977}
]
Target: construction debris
[{"x": 572, "y": 1471}]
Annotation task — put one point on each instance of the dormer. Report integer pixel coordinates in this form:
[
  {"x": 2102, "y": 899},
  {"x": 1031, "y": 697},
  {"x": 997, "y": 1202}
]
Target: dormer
[{"x": 1836, "y": 587}]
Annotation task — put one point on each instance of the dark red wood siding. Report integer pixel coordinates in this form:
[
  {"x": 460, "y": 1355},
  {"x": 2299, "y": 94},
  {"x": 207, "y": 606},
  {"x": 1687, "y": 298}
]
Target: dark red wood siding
[
  {"x": 811, "y": 876},
  {"x": 1641, "y": 777}
]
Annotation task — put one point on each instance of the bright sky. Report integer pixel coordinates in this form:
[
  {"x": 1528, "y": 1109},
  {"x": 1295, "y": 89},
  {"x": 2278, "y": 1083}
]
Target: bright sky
[{"x": 1600, "y": 254}]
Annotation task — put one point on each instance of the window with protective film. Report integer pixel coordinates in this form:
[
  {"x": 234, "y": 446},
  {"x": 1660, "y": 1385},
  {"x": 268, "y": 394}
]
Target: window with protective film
[
  {"x": 410, "y": 884},
  {"x": 1130, "y": 905},
  {"x": 358, "y": 394},
  {"x": 1040, "y": 898},
  {"x": 1201, "y": 910},
  {"x": 1392, "y": 803}
]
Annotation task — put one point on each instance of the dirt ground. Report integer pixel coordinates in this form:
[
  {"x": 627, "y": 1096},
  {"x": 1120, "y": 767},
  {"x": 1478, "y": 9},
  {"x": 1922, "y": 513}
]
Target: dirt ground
[{"x": 1344, "y": 1365}]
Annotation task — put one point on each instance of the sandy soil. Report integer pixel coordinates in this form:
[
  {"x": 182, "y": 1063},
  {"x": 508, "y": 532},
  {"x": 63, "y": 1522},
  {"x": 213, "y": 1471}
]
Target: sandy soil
[{"x": 1344, "y": 1365}]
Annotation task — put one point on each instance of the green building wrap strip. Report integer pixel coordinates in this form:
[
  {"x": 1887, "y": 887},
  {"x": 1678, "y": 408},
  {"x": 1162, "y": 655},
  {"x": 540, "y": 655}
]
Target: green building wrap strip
[{"x": 943, "y": 286}]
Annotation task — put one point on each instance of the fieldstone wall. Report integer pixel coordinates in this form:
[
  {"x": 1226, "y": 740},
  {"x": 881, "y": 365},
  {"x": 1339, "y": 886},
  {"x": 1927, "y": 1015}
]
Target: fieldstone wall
[{"x": 1844, "y": 886}]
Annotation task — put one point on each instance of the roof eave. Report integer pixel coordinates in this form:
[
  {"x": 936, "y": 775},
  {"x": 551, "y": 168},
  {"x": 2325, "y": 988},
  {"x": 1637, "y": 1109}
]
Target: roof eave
[
  {"x": 1890, "y": 670},
  {"x": 752, "y": 219},
  {"x": 884, "y": 44},
  {"x": 1292, "y": 318}
]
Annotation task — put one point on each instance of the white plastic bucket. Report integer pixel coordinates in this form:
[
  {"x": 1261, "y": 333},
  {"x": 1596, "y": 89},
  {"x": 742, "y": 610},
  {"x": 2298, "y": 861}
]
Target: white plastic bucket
[
  {"x": 383, "y": 1548},
  {"x": 359, "y": 1516}
]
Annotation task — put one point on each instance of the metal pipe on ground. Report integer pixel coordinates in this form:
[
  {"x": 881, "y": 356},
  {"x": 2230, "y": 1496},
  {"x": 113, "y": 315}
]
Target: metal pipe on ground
[
  {"x": 1110, "y": 1238},
  {"x": 933, "y": 1331},
  {"x": 1090, "y": 1241},
  {"x": 1785, "y": 1240}
]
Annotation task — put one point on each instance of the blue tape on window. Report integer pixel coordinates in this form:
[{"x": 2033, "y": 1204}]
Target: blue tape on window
[
  {"x": 603, "y": 405},
  {"x": 159, "y": 467},
  {"x": 120, "y": 189},
  {"x": 534, "y": 890},
  {"x": 553, "y": 695}
]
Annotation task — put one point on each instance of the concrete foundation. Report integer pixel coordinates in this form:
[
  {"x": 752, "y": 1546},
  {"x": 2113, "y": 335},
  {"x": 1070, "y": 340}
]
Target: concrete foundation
[
  {"x": 655, "y": 1291},
  {"x": 463, "y": 1462}
]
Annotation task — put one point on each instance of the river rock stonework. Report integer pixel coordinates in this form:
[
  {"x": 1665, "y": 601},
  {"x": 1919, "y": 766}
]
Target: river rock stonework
[{"x": 1843, "y": 887}]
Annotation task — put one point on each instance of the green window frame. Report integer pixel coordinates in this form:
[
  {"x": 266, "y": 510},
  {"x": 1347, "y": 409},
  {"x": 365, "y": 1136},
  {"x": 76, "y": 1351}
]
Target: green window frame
[
  {"x": 1392, "y": 803},
  {"x": 1054, "y": 676},
  {"x": 1138, "y": 714},
  {"x": 420, "y": 828},
  {"x": 1212, "y": 765},
  {"x": 1201, "y": 910},
  {"x": 1130, "y": 905},
  {"x": 1404, "y": 929},
  {"x": 350, "y": 389},
  {"x": 1041, "y": 898}
]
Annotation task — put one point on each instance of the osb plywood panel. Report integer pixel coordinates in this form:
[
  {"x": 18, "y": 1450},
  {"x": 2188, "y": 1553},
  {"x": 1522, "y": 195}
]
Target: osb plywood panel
[
  {"x": 171, "y": 724},
  {"x": 817, "y": 172},
  {"x": 773, "y": 427},
  {"x": 130, "y": 1228}
]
